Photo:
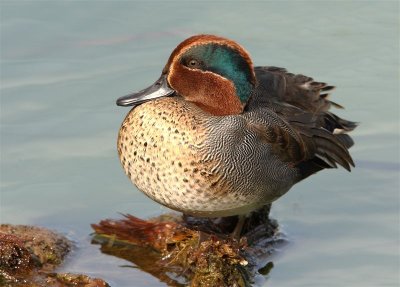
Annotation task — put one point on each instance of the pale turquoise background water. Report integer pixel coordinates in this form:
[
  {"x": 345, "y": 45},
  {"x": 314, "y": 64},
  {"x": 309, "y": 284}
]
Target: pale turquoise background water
[{"x": 63, "y": 64}]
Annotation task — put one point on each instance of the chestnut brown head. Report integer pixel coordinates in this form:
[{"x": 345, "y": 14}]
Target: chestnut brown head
[{"x": 212, "y": 72}]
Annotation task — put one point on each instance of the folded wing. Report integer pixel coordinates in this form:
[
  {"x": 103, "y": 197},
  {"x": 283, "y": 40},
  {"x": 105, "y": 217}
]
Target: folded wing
[{"x": 313, "y": 138}]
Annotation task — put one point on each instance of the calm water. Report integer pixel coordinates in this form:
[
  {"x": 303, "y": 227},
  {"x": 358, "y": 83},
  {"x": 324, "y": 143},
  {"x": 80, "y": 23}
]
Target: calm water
[{"x": 63, "y": 65}]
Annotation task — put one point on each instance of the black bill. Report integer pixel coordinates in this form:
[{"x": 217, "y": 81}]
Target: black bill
[{"x": 159, "y": 89}]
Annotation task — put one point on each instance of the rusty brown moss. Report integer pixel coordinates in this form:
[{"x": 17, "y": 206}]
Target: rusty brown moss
[{"x": 198, "y": 252}]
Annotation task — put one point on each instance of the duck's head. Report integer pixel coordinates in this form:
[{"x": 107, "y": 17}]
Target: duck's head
[{"x": 212, "y": 72}]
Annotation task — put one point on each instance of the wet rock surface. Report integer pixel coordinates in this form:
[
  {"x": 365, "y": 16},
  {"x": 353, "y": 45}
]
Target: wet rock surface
[
  {"x": 193, "y": 251},
  {"x": 179, "y": 251},
  {"x": 29, "y": 256}
]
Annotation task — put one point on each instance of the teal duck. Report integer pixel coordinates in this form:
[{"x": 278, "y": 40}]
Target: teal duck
[{"x": 215, "y": 136}]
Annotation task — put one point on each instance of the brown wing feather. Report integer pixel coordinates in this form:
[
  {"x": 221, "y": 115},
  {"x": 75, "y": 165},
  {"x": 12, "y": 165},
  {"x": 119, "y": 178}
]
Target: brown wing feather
[
  {"x": 298, "y": 90},
  {"x": 304, "y": 105}
]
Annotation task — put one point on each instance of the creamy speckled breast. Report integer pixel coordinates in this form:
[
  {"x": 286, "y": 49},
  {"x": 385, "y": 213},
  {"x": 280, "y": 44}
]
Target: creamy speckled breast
[{"x": 196, "y": 163}]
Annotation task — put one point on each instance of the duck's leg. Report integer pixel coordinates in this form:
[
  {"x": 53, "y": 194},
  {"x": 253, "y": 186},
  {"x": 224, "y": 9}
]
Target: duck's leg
[
  {"x": 238, "y": 228},
  {"x": 203, "y": 236}
]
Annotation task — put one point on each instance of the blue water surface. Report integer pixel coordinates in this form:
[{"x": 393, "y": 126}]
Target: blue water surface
[{"x": 64, "y": 63}]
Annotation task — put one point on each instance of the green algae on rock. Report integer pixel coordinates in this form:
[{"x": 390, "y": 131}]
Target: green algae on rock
[
  {"x": 29, "y": 256},
  {"x": 179, "y": 254}
]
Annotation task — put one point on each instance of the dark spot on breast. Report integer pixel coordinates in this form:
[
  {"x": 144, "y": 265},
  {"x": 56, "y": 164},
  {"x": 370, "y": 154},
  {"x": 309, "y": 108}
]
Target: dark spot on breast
[
  {"x": 135, "y": 153},
  {"x": 179, "y": 164},
  {"x": 145, "y": 144},
  {"x": 185, "y": 180},
  {"x": 148, "y": 159}
]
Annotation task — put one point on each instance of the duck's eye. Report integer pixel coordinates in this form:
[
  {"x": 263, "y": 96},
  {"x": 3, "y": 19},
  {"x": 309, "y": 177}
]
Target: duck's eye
[{"x": 193, "y": 63}]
